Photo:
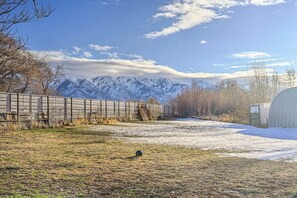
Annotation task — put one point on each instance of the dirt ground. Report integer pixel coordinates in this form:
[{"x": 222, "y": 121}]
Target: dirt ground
[{"x": 80, "y": 162}]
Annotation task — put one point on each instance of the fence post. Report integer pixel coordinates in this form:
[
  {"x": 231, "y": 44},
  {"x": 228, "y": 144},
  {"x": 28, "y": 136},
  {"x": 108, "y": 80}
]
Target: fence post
[
  {"x": 65, "y": 109},
  {"x": 48, "y": 109},
  {"x": 119, "y": 112},
  {"x": 129, "y": 109},
  {"x": 18, "y": 108},
  {"x": 135, "y": 108},
  {"x": 105, "y": 108},
  {"x": 71, "y": 110},
  {"x": 101, "y": 109},
  {"x": 114, "y": 108},
  {"x": 8, "y": 105},
  {"x": 91, "y": 111},
  {"x": 85, "y": 110},
  {"x": 125, "y": 109},
  {"x": 41, "y": 107},
  {"x": 30, "y": 108}
]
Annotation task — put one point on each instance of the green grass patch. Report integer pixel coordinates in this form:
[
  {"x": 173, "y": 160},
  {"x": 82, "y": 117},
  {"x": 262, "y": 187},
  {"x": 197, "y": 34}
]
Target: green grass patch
[
  {"x": 9, "y": 168},
  {"x": 90, "y": 142},
  {"x": 294, "y": 195},
  {"x": 248, "y": 191}
]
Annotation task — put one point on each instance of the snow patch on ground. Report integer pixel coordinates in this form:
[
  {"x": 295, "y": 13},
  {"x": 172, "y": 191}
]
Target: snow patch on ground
[{"x": 238, "y": 140}]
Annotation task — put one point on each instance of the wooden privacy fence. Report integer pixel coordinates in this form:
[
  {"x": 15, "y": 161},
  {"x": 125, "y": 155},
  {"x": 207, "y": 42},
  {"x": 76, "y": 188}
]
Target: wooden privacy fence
[{"x": 17, "y": 108}]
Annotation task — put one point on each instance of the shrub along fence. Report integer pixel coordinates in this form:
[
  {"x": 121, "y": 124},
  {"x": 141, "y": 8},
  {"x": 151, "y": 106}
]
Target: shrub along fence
[{"x": 19, "y": 108}]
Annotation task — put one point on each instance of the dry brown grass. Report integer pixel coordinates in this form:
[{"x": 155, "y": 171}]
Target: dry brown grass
[
  {"x": 225, "y": 118},
  {"x": 80, "y": 121},
  {"x": 78, "y": 162},
  {"x": 110, "y": 121}
]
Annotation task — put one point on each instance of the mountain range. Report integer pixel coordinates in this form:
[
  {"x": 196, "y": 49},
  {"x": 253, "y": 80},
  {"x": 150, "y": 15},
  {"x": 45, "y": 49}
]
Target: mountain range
[{"x": 122, "y": 88}]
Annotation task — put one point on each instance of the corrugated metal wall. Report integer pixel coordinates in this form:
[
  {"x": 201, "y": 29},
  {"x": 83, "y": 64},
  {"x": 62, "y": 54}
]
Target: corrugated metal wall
[{"x": 283, "y": 109}]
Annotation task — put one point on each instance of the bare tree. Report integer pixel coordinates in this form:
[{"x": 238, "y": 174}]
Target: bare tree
[
  {"x": 13, "y": 12},
  {"x": 47, "y": 78},
  {"x": 259, "y": 82},
  {"x": 275, "y": 84},
  {"x": 17, "y": 65},
  {"x": 21, "y": 71},
  {"x": 227, "y": 98},
  {"x": 290, "y": 77}
]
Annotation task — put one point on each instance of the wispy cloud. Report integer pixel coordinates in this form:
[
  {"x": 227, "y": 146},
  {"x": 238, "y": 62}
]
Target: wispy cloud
[
  {"x": 76, "y": 50},
  {"x": 84, "y": 52},
  {"x": 101, "y": 2},
  {"x": 266, "y": 2},
  {"x": 165, "y": 15},
  {"x": 238, "y": 67},
  {"x": 251, "y": 55},
  {"x": 87, "y": 54},
  {"x": 202, "y": 42},
  {"x": 280, "y": 64},
  {"x": 113, "y": 55},
  {"x": 268, "y": 63},
  {"x": 135, "y": 67},
  {"x": 100, "y": 48},
  {"x": 190, "y": 13}
]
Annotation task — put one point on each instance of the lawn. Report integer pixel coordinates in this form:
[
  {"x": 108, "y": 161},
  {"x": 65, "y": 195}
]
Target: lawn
[{"x": 79, "y": 162}]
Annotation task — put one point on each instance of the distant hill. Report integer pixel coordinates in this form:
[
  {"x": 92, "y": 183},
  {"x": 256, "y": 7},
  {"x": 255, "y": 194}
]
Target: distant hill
[{"x": 122, "y": 88}]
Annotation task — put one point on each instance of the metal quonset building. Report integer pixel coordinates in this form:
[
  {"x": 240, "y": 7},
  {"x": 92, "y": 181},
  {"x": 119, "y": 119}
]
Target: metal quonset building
[{"x": 283, "y": 109}]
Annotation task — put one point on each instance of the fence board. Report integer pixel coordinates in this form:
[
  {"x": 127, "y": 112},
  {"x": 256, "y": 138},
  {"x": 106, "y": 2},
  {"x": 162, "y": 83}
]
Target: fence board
[{"x": 24, "y": 107}]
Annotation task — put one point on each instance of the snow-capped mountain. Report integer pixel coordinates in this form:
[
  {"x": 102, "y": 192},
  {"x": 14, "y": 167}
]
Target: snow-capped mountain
[{"x": 121, "y": 88}]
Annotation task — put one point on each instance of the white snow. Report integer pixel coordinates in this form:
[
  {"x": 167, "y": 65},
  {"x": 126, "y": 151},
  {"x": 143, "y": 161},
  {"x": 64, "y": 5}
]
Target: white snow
[
  {"x": 122, "y": 88},
  {"x": 237, "y": 140}
]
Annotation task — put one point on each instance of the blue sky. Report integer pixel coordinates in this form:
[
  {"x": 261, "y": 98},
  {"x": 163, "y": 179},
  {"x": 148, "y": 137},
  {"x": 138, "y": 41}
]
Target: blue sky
[{"x": 207, "y": 39}]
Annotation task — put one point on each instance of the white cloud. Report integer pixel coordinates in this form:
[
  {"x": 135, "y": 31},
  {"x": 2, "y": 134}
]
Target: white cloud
[
  {"x": 76, "y": 50},
  {"x": 100, "y": 48},
  {"x": 133, "y": 56},
  {"x": 165, "y": 15},
  {"x": 108, "y": 2},
  {"x": 271, "y": 59},
  {"x": 113, "y": 55},
  {"x": 190, "y": 13},
  {"x": 185, "y": 20},
  {"x": 280, "y": 64},
  {"x": 87, "y": 54},
  {"x": 265, "y": 2},
  {"x": 80, "y": 52},
  {"x": 87, "y": 67},
  {"x": 203, "y": 42},
  {"x": 250, "y": 55},
  {"x": 267, "y": 64},
  {"x": 237, "y": 67}
]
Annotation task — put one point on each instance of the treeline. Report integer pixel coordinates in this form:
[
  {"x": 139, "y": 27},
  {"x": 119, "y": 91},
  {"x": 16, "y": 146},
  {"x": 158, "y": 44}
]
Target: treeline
[
  {"x": 229, "y": 100},
  {"x": 20, "y": 70}
]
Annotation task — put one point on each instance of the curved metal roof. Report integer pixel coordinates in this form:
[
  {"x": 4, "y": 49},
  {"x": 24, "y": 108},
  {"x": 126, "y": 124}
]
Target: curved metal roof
[{"x": 283, "y": 109}]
